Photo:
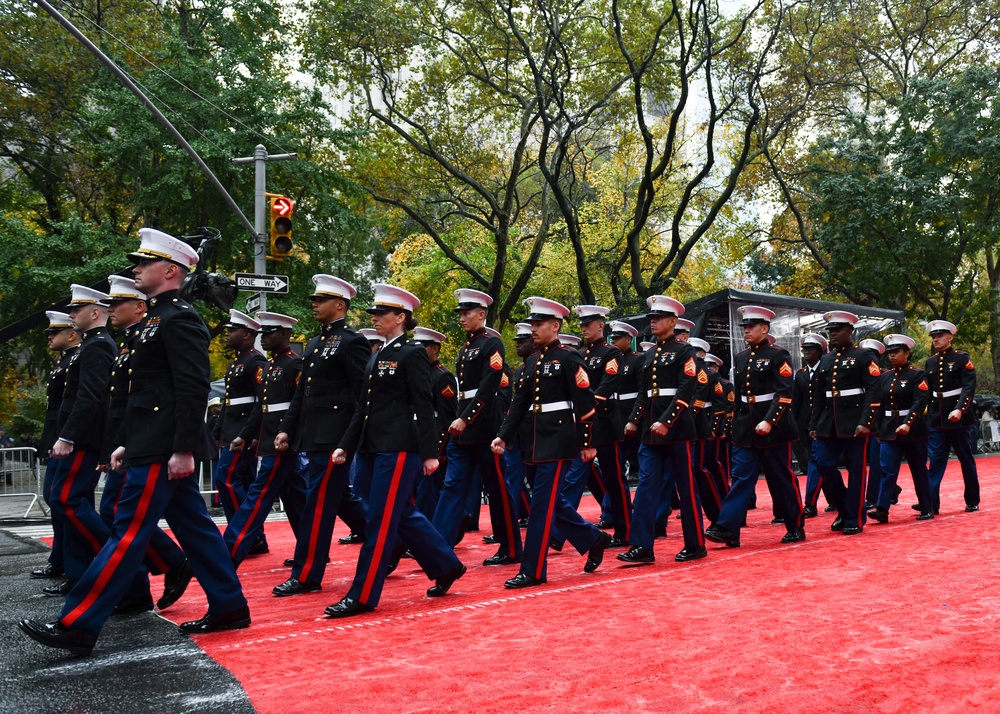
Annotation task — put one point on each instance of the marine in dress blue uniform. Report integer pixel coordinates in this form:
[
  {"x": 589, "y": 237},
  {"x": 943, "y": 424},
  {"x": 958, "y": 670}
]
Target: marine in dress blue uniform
[
  {"x": 244, "y": 379},
  {"x": 82, "y": 416},
  {"x": 278, "y": 474},
  {"x": 520, "y": 470},
  {"x": 814, "y": 346},
  {"x": 665, "y": 423},
  {"x": 394, "y": 435},
  {"x": 874, "y": 461},
  {"x": 332, "y": 380},
  {"x": 444, "y": 390},
  {"x": 668, "y": 499},
  {"x": 763, "y": 432},
  {"x": 623, "y": 336},
  {"x": 479, "y": 370},
  {"x": 723, "y": 411},
  {"x": 902, "y": 428},
  {"x": 845, "y": 403},
  {"x": 557, "y": 401},
  {"x": 952, "y": 379},
  {"x": 163, "y": 432},
  {"x": 711, "y": 486},
  {"x": 61, "y": 337}
]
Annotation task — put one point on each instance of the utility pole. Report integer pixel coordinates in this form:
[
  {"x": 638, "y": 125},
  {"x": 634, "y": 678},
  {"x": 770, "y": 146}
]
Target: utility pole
[{"x": 260, "y": 158}]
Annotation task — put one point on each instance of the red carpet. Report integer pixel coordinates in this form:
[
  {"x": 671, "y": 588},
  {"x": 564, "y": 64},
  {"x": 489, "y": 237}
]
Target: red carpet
[{"x": 900, "y": 618}]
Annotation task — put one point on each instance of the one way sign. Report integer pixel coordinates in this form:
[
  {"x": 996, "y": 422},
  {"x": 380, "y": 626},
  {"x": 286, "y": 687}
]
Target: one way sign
[{"x": 262, "y": 283}]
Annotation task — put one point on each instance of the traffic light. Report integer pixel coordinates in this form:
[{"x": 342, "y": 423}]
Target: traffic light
[{"x": 281, "y": 226}]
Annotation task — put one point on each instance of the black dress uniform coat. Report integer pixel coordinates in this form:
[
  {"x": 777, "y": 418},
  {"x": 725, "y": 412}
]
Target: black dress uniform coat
[
  {"x": 118, "y": 388},
  {"x": 763, "y": 370},
  {"x": 844, "y": 392},
  {"x": 170, "y": 383},
  {"x": 84, "y": 407},
  {"x": 244, "y": 381},
  {"x": 397, "y": 410},
  {"x": 281, "y": 379},
  {"x": 903, "y": 396},
  {"x": 524, "y": 431},
  {"x": 703, "y": 403},
  {"x": 505, "y": 391},
  {"x": 669, "y": 382},
  {"x": 333, "y": 370},
  {"x": 445, "y": 402},
  {"x": 802, "y": 400},
  {"x": 723, "y": 406},
  {"x": 479, "y": 369},
  {"x": 951, "y": 377},
  {"x": 629, "y": 383},
  {"x": 604, "y": 368},
  {"x": 53, "y": 398},
  {"x": 555, "y": 375}
]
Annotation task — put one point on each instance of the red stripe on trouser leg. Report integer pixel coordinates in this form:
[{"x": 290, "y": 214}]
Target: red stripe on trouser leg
[
  {"x": 317, "y": 517},
  {"x": 228, "y": 482},
  {"x": 383, "y": 528},
  {"x": 67, "y": 488},
  {"x": 692, "y": 490},
  {"x": 707, "y": 475},
  {"x": 256, "y": 507},
  {"x": 624, "y": 490},
  {"x": 547, "y": 531},
  {"x": 157, "y": 561},
  {"x": 123, "y": 545},
  {"x": 505, "y": 502},
  {"x": 795, "y": 484},
  {"x": 864, "y": 480}
]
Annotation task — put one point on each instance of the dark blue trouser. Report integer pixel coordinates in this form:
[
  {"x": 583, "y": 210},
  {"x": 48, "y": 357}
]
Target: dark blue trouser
[
  {"x": 550, "y": 508},
  {"x": 608, "y": 472},
  {"x": 163, "y": 554},
  {"x": 892, "y": 454},
  {"x": 669, "y": 466},
  {"x": 233, "y": 471},
  {"x": 874, "y": 469},
  {"x": 272, "y": 478},
  {"x": 391, "y": 512},
  {"x": 710, "y": 487},
  {"x": 849, "y": 500},
  {"x": 74, "y": 479},
  {"x": 463, "y": 460},
  {"x": 147, "y": 496},
  {"x": 56, "y": 555},
  {"x": 776, "y": 463},
  {"x": 941, "y": 442},
  {"x": 326, "y": 485},
  {"x": 514, "y": 474},
  {"x": 428, "y": 490},
  {"x": 814, "y": 482}
]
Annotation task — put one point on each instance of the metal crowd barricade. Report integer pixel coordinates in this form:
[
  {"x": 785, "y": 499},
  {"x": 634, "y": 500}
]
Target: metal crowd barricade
[{"x": 21, "y": 476}]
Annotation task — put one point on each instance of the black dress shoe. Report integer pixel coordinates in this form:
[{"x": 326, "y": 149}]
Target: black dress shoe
[
  {"x": 838, "y": 524},
  {"x": 60, "y": 589},
  {"x": 604, "y": 524},
  {"x": 691, "y": 554},
  {"x": 295, "y": 587},
  {"x": 776, "y": 520},
  {"x": 501, "y": 559},
  {"x": 260, "y": 547},
  {"x": 235, "y": 620},
  {"x": 523, "y": 523},
  {"x": 175, "y": 582},
  {"x": 660, "y": 532},
  {"x": 54, "y": 634},
  {"x": 353, "y": 539},
  {"x": 49, "y": 571},
  {"x": 829, "y": 509},
  {"x": 810, "y": 512},
  {"x": 556, "y": 546},
  {"x": 853, "y": 530},
  {"x": 635, "y": 554},
  {"x": 796, "y": 536},
  {"x": 925, "y": 516},
  {"x": 134, "y": 607},
  {"x": 971, "y": 509},
  {"x": 718, "y": 534},
  {"x": 441, "y": 585},
  {"x": 347, "y": 607},
  {"x": 490, "y": 539},
  {"x": 879, "y": 514},
  {"x": 289, "y": 562},
  {"x": 523, "y": 580},
  {"x": 596, "y": 554},
  {"x": 895, "y": 495},
  {"x": 618, "y": 542}
]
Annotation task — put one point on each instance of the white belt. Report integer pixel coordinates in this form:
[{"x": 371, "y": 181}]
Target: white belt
[
  {"x": 668, "y": 392},
  {"x": 949, "y": 393},
  {"x": 552, "y": 407},
  {"x": 467, "y": 395},
  {"x": 628, "y": 395},
  {"x": 754, "y": 398},
  {"x": 246, "y": 400},
  {"x": 279, "y": 407},
  {"x": 897, "y": 412},
  {"x": 847, "y": 392}
]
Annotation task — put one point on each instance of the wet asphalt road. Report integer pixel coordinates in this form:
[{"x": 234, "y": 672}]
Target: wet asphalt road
[{"x": 141, "y": 663}]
